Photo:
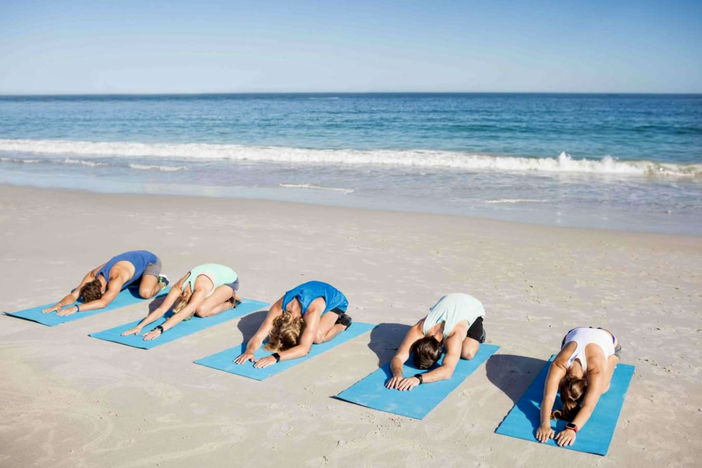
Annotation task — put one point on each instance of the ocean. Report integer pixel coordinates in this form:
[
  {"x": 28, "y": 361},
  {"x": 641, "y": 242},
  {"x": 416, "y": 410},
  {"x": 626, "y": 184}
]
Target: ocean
[{"x": 625, "y": 162}]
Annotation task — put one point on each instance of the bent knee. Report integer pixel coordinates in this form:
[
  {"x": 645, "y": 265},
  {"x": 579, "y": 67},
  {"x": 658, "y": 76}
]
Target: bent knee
[
  {"x": 202, "y": 311},
  {"x": 146, "y": 293},
  {"x": 468, "y": 355},
  {"x": 319, "y": 339}
]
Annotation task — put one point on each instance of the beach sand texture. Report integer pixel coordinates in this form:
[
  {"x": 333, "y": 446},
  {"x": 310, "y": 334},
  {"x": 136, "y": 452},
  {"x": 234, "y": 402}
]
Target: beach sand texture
[{"x": 67, "y": 400}]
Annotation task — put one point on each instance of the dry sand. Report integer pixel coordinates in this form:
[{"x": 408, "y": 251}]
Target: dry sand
[{"x": 67, "y": 400}]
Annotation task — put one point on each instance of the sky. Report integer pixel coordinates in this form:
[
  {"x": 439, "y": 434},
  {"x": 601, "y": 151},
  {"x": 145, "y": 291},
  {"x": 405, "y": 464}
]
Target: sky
[{"x": 211, "y": 46}]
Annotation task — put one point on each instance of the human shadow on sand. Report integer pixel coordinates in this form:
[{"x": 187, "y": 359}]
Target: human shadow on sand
[
  {"x": 249, "y": 324},
  {"x": 385, "y": 339},
  {"x": 513, "y": 374}
]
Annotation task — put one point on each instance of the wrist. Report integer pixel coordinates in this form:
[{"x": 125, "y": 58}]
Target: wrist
[
  {"x": 276, "y": 356},
  {"x": 160, "y": 328},
  {"x": 420, "y": 378},
  {"x": 571, "y": 427}
]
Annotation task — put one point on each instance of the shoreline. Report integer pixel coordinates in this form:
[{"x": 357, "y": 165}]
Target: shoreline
[
  {"x": 86, "y": 402},
  {"x": 332, "y": 199}
]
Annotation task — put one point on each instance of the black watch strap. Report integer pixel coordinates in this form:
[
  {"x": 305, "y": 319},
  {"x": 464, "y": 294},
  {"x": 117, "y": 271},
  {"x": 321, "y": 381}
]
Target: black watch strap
[
  {"x": 276, "y": 356},
  {"x": 421, "y": 379},
  {"x": 160, "y": 328}
]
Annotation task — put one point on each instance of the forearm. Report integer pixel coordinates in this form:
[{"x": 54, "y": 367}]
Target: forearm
[
  {"x": 152, "y": 317},
  {"x": 583, "y": 416},
  {"x": 396, "y": 366},
  {"x": 437, "y": 375},
  {"x": 173, "y": 321},
  {"x": 70, "y": 299},
  {"x": 294, "y": 353}
]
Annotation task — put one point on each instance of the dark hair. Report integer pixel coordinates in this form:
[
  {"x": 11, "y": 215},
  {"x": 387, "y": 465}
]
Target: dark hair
[
  {"x": 91, "y": 291},
  {"x": 426, "y": 352},
  {"x": 572, "y": 391}
]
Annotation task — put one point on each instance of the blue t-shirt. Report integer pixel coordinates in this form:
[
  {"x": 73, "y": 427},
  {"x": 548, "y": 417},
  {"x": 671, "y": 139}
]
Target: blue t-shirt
[
  {"x": 308, "y": 292},
  {"x": 139, "y": 258}
]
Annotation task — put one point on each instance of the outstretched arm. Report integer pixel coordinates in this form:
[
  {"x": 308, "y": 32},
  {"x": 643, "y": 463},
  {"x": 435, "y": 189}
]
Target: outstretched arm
[
  {"x": 113, "y": 289},
  {"x": 262, "y": 333},
  {"x": 161, "y": 310},
  {"x": 556, "y": 371},
  {"x": 196, "y": 299},
  {"x": 403, "y": 353},
  {"x": 72, "y": 297}
]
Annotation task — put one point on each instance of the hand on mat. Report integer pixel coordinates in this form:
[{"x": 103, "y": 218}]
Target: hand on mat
[
  {"x": 247, "y": 356},
  {"x": 54, "y": 308},
  {"x": 153, "y": 334},
  {"x": 132, "y": 331},
  {"x": 543, "y": 433},
  {"x": 394, "y": 382},
  {"x": 265, "y": 362},
  {"x": 565, "y": 438},
  {"x": 408, "y": 384},
  {"x": 67, "y": 311}
]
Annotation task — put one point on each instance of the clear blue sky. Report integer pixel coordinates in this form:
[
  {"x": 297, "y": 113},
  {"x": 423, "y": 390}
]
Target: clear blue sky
[{"x": 125, "y": 46}]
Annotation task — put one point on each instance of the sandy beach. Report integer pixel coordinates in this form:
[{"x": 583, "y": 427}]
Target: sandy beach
[{"x": 68, "y": 400}]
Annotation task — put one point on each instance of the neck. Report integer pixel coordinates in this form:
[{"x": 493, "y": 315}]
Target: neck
[
  {"x": 437, "y": 332},
  {"x": 576, "y": 369}
]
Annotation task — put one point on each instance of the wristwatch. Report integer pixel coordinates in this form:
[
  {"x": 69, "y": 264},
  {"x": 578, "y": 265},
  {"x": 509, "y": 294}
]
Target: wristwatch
[
  {"x": 276, "y": 356},
  {"x": 160, "y": 328},
  {"x": 572, "y": 427},
  {"x": 421, "y": 379}
]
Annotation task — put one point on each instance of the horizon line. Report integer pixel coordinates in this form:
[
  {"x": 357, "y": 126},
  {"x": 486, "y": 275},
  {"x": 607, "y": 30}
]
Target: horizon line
[{"x": 221, "y": 93}]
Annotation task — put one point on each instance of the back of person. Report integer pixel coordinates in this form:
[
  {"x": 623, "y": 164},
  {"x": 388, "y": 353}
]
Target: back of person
[
  {"x": 218, "y": 274},
  {"x": 584, "y": 336},
  {"x": 308, "y": 292},
  {"x": 139, "y": 258},
  {"x": 452, "y": 309}
]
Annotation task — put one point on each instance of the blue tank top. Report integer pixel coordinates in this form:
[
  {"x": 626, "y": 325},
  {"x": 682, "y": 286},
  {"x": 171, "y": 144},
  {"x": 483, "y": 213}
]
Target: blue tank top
[
  {"x": 139, "y": 258},
  {"x": 308, "y": 292}
]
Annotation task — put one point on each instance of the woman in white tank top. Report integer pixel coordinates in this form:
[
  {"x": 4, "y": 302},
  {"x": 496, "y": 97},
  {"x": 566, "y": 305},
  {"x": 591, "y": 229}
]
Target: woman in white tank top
[{"x": 583, "y": 372}]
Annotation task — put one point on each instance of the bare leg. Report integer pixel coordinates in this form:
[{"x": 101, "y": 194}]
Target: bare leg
[
  {"x": 217, "y": 303},
  {"x": 470, "y": 347},
  {"x": 328, "y": 328},
  {"x": 612, "y": 362},
  {"x": 149, "y": 286}
]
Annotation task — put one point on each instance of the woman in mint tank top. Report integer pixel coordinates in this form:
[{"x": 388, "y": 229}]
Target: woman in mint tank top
[
  {"x": 204, "y": 291},
  {"x": 455, "y": 323},
  {"x": 313, "y": 312}
]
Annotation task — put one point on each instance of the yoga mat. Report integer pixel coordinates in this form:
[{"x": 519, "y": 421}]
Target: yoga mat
[
  {"x": 524, "y": 419},
  {"x": 419, "y": 401},
  {"x": 184, "y": 328},
  {"x": 125, "y": 298},
  {"x": 224, "y": 360}
]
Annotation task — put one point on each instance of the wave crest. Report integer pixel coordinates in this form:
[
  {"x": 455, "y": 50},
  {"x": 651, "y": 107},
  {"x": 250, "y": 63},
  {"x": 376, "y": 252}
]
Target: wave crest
[{"x": 427, "y": 159}]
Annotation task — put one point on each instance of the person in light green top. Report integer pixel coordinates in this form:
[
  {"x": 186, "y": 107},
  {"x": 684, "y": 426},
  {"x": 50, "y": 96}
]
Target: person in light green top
[
  {"x": 454, "y": 323},
  {"x": 204, "y": 291}
]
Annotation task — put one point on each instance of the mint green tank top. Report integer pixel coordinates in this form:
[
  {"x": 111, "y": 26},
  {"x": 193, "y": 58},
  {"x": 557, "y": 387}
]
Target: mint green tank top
[
  {"x": 451, "y": 309},
  {"x": 218, "y": 274}
]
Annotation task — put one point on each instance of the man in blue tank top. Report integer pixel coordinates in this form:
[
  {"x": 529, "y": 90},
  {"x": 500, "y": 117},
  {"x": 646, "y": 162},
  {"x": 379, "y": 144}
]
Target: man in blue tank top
[{"x": 101, "y": 285}]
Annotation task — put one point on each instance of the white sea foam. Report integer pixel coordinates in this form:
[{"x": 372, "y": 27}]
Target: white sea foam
[
  {"x": 157, "y": 168},
  {"x": 84, "y": 163},
  {"x": 515, "y": 200},
  {"x": 408, "y": 158},
  {"x": 317, "y": 187},
  {"x": 20, "y": 160}
]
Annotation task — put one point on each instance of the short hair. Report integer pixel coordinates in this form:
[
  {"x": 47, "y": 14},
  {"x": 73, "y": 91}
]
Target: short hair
[
  {"x": 91, "y": 291},
  {"x": 426, "y": 352}
]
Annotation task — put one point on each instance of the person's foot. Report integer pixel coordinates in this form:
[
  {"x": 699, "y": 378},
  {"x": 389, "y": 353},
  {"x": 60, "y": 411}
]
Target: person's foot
[
  {"x": 344, "y": 320},
  {"x": 483, "y": 336},
  {"x": 163, "y": 280}
]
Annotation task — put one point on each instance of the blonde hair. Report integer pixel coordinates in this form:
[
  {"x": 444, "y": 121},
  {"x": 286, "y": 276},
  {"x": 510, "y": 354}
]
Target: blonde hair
[
  {"x": 183, "y": 301},
  {"x": 285, "y": 333},
  {"x": 572, "y": 391}
]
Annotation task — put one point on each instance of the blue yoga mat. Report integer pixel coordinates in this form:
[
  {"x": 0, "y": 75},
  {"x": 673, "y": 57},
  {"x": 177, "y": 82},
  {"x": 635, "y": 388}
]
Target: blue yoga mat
[
  {"x": 125, "y": 298},
  {"x": 184, "y": 328},
  {"x": 224, "y": 360},
  {"x": 595, "y": 437},
  {"x": 418, "y": 402}
]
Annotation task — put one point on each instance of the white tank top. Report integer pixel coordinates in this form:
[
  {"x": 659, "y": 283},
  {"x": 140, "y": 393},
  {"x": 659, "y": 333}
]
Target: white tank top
[
  {"x": 585, "y": 336},
  {"x": 451, "y": 309}
]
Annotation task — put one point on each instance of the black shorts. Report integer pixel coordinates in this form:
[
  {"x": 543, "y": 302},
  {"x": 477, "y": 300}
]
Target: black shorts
[
  {"x": 338, "y": 310},
  {"x": 476, "y": 330}
]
